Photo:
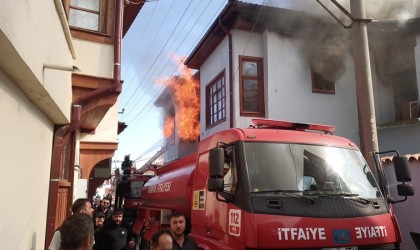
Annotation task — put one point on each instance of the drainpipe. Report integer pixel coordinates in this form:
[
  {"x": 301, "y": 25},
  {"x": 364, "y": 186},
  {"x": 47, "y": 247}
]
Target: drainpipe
[
  {"x": 231, "y": 3},
  {"x": 58, "y": 147},
  {"x": 56, "y": 162}
]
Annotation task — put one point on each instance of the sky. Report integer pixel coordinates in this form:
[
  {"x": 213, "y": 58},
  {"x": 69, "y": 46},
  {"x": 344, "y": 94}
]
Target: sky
[
  {"x": 167, "y": 29},
  {"x": 163, "y": 30}
]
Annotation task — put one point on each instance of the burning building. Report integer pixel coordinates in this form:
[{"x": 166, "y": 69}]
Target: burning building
[{"x": 180, "y": 102}]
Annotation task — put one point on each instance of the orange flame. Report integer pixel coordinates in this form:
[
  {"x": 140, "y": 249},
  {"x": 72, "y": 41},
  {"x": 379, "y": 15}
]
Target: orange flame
[
  {"x": 185, "y": 93},
  {"x": 169, "y": 126}
]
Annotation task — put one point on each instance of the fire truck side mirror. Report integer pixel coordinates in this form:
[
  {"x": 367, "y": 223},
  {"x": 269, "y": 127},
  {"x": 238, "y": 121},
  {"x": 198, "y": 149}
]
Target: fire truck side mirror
[
  {"x": 217, "y": 156},
  {"x": 403, "y": 174},
  {"x": 215, "y": 185},
  {"x": 401, "y": 167},
  {"x": 216, "y": 160},
  {"x": 405, "y": 189}
]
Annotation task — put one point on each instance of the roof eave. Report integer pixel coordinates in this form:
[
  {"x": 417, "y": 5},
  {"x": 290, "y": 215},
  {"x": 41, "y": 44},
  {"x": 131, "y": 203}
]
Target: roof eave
[
  {"x": 216, "y": 31},
  {"x": 130, "y": 13}
]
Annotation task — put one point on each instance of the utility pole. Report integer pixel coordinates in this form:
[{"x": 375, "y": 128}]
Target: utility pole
[{"x": 364, "y": 90}]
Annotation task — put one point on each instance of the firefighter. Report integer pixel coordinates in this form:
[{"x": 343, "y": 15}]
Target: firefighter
[{"x": 126, "y": 165}]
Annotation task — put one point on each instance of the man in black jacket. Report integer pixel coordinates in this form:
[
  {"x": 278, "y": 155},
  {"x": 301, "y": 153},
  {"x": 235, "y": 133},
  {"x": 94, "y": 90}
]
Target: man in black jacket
[
  {"x": 113, "y": 236},
  {"x": 181, "y": 241}
]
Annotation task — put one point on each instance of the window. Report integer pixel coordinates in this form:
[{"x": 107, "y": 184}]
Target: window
[
  {"x": 322, "y": 85},
  {"x": 251, "y": 86},
  {"x": 90, "y": 19},
  {"x": 85, "y": 14},
  {"x": 216, "y": 100}
]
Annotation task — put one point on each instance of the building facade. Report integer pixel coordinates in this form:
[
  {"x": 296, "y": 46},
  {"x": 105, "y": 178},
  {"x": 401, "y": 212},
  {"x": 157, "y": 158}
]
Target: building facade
[
  {"x": 59, "y": 84},
  {"x": 287, "y": 64}
]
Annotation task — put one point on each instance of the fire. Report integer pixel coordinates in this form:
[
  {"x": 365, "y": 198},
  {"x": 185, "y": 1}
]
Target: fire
[
  {"x": 169, "y": 126},
  {"x": 185, "y": 94}
]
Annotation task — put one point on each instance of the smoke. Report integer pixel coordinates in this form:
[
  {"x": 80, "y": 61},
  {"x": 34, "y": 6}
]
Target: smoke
[
  {"x": 400, "y": 10},
  {"x": 380, "y": 10},
  {"x": 324, "y": 43}
]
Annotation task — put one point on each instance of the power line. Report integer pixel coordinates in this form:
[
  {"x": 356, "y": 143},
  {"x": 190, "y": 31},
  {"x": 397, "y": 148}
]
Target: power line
[
  {"x": 138, "y": 118},
  {"x": 153, "y": 41},
  {"x": 159, "y": 55},
  {"x": 249, "y": 37},
  {"x": 138, "y": 45},
  {"x": 168, "y": 61},
  {"x": 164, "y": 85}
]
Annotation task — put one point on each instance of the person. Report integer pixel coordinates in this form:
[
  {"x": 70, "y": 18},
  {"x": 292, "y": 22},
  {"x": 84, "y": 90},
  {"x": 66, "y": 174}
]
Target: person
[
  {"x": 81, "y": 205},
  {"x": 126, "y": 165},
  {"x": 104, "y": 208},
  {"x": 123, "y": 190},
  {"x": 113, "y": 236},
  {"x": 109, "y": 195},
  {"x": 162, "y": 240},
  {"x": 97, "y": 202},
  {"x": 99, "y": 220},
  {"x": 181, "y": 240},
  {"x": 77, "y": 232}
]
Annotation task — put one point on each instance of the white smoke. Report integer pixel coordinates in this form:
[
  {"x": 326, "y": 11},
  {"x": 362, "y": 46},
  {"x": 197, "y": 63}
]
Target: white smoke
[
  {"x": 401, "y": 10},
  {"x": 325, "y": 42},
  {"x": 379, "y": 10}
]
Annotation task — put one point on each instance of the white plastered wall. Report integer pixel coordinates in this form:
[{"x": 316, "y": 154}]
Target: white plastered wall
[
  {"x": 27, "y": 49},
  {"x": 94, "y": 58},
  {"x": 288, "y": 85},
  {"x": 26, "y": 146},
  {"x": 217, "y": 62},
  {"x": 289, "y": 92},
  {"x": 33, "y": 98}
]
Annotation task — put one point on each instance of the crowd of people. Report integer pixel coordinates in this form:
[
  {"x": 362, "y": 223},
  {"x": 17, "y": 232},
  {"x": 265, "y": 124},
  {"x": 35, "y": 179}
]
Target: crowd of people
[{"x": 99, "y": 227}]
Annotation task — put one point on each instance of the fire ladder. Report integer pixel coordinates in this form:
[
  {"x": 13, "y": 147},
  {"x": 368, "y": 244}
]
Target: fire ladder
[{"x": 147, "y": 165}]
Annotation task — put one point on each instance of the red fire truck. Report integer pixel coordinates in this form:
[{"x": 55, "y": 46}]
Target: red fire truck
[{"x": 275, "y": 185}]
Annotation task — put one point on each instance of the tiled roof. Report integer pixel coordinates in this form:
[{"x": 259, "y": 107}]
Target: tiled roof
[{"x": 411, "y": 158}]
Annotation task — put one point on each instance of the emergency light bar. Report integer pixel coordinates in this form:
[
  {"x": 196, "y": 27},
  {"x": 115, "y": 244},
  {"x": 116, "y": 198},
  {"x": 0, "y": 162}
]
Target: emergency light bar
[{"x": 275, "y": 124}]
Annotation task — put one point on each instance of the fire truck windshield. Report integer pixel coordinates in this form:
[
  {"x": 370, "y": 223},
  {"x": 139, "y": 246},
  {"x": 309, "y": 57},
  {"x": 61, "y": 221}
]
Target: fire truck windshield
[{"x": 308, "y": 170}]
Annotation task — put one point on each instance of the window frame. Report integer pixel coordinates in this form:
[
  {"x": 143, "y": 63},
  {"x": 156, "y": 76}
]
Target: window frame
[
  {"x": 230, "y": 157},
  {"x": 316, "y": 77},
  {"x": 105, "y": 31},
  {"x": 209, "y": 98},
  {"x": 259, "y": 78}
]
